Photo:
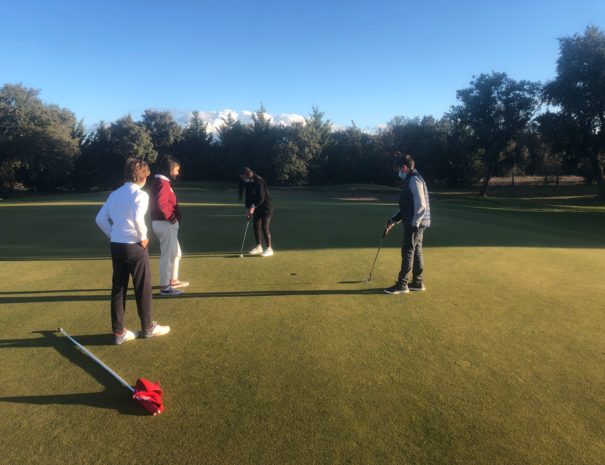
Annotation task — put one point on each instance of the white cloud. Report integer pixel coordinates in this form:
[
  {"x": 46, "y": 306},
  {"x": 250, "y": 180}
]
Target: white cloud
[
  {"x": 288, "y": 119},
  {"x": 214, "y": 119}
]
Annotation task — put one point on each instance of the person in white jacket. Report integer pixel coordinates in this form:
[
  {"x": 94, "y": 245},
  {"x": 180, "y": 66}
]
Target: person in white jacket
[{"x": 122, "y": 219}]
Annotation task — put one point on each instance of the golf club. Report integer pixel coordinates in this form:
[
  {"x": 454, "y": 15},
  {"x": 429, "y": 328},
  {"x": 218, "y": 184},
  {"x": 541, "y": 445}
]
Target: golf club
[
  {"x": 147, "y": 393},
  {"x": 241, "y": 253},
  {"x": 384, "y": 234}
]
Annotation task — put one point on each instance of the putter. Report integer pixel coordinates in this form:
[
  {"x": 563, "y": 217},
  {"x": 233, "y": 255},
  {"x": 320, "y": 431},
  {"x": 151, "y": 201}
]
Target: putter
[
  {"x": 147, "y": 393},
  {"x": 241, "y": 253},
  {"x": 384, "y": 234}
]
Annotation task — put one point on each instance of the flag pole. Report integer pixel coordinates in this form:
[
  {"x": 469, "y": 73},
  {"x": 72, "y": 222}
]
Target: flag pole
[{"x": 85, "y": 351}]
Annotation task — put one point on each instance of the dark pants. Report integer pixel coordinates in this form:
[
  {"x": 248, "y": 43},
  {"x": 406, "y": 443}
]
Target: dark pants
[
  {"x": 127, "y": 260},
  {"x": 261, "y": 219},
  {"x": 411, "y": 255}
]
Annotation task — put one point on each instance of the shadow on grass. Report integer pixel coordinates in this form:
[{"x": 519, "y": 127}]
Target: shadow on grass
[
  {"x": 93, "y": 340},
  {"x": 57, "y": 291},
  {"x": 113, "y": 397}
]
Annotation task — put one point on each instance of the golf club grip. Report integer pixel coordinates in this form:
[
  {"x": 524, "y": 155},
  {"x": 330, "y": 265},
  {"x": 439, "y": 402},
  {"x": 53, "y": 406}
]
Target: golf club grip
[{"x": 92, "y": 356}]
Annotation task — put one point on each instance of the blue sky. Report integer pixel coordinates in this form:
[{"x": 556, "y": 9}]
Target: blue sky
[{"x": 361, "y": 61}]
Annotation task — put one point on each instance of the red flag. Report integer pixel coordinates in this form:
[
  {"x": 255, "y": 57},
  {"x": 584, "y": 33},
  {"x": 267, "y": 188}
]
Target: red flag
[{"x": 149, "y": 395}]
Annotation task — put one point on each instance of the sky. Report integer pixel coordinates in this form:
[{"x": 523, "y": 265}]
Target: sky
[{"x": 357, "y": 61}]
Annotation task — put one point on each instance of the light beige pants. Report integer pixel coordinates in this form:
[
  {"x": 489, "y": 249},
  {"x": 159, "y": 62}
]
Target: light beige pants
[{"x": 170, "y": 250}]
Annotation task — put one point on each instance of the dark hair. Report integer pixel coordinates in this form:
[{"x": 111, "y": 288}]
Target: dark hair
[
  {"x": 245, "y": 171},
  {"x": 403, "y": 160},
  {"x": 136, "y": 170},
  {"x": 166, "y": 164}
]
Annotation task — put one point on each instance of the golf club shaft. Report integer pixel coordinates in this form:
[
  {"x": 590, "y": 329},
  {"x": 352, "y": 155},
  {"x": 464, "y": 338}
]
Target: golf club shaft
[
  {"x": 91, "y": 355},
  {"x": 245, "y": 233},
  {"x": 375, "y": 258}
]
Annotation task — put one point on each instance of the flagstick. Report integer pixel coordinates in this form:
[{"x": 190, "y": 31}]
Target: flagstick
[{"x": 90, "y": 354}]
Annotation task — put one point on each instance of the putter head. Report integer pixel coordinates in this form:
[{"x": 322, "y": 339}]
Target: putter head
[{"x": 241, "y": 255}]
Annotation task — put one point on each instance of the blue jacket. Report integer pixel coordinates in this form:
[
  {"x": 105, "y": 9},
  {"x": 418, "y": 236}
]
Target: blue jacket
[{"x": 414, "y": 205}]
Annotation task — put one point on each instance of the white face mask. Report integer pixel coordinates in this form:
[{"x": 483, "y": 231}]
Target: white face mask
[{"x": 402, "y": 175}]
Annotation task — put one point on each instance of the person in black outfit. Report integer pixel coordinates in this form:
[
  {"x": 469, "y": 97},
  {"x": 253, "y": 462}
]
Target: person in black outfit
[
  {"x": 258, "y": 207},
  {"x": 415, "y": 214}
]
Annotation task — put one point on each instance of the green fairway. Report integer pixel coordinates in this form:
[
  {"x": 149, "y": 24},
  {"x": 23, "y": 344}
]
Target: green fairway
[{"x": 293, "y": 359}]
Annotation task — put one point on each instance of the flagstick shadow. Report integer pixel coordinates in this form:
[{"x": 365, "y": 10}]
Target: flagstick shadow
[
  {"x": 113, "y": 397},
  {"x": 103, "y": 399}
]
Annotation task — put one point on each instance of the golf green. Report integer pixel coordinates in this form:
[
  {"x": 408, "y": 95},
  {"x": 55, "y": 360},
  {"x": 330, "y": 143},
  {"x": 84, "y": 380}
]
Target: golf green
[{"x": 294, "y": 359}]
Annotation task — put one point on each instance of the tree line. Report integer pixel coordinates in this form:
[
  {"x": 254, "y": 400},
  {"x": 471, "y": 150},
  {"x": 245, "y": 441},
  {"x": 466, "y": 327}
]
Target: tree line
[{"x": 500, "y": 126}]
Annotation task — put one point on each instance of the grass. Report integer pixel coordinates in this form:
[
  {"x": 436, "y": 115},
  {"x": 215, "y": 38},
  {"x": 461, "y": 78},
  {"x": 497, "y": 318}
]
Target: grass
[{"x": 291, "y": 360}]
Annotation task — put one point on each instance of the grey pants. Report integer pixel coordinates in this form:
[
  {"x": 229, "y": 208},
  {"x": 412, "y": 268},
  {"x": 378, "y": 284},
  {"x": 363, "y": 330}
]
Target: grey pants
[{"x": 411, "y": 255}]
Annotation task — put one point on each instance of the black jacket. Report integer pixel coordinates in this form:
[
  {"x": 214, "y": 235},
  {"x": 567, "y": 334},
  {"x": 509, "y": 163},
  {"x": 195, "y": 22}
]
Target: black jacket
[{"x": 257, "y": 193}]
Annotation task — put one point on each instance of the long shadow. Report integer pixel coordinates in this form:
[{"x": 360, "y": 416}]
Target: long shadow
[
  {"x": 192, "y": 295},
  {"x": 57, "y": 291},
  {"x": 113, "y": 397},
  {"x": 51, "y": 339}
]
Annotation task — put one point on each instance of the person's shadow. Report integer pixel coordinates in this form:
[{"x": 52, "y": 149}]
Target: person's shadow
[{"x": 113, "y": 397}]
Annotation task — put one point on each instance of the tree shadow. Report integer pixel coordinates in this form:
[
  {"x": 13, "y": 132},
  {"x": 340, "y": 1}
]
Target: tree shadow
[
  {"x": 113, "y": 397},
  {"x": 313, "y": 220}
]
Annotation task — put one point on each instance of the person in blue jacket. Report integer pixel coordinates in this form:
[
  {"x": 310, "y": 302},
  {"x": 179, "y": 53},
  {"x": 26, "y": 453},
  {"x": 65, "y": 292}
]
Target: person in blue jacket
[{"x": 415, "y": 215}]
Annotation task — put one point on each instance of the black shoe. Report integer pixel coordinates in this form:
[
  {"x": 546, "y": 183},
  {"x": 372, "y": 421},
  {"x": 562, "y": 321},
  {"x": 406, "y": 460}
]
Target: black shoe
[
  {"x": 397, "y": 288},
  {"x": 417, "y": 286}
]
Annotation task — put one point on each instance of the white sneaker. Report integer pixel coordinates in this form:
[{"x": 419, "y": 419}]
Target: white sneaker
[
  {"x": 170, "y": 292},
  {"x": 126, "y": 336},
  {"x": 258, "y": 250},
  {"x": 268, "y": 252},
  {"x": 156, "y": 330}
]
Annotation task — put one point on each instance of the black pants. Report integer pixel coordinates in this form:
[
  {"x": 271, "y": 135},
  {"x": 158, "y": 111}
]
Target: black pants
[
  {"x": 411, "y": 255},
  {"x": 260, "y": 220},
  {"x": 127, "y": 260}
]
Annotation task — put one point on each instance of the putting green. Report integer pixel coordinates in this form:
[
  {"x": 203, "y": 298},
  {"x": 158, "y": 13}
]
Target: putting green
[{"x": 292, "y": 359}]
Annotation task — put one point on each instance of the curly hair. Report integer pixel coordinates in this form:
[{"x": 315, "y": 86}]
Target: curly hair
[{"x": 136, "y": 170}]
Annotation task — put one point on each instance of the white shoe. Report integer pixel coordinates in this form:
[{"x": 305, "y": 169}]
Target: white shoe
[
  {"x": 126, "y": 336},
  {"x": 156, "y": 330},
  {"x": 258, "y": 250},
  {"x": 268, "y": 252}
]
